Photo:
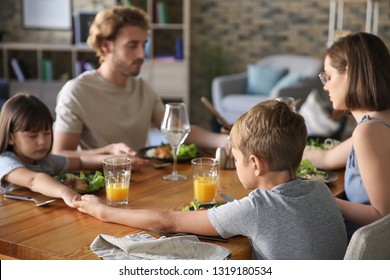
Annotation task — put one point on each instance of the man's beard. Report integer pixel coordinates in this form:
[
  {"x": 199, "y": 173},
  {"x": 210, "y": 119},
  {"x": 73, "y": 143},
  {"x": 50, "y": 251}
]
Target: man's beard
[{"x": 126, "y": 69}]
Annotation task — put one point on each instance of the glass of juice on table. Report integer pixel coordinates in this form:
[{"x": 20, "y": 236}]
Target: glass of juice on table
[
  {"x": 205, "y": 177},
  {"x": 117, "y": 172}
]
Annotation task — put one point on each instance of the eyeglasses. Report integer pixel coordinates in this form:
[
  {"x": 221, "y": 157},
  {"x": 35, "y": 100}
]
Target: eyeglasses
[{"x": 323, "y": 77}]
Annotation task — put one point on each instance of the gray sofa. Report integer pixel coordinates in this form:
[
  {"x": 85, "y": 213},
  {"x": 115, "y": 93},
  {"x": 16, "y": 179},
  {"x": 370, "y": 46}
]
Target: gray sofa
[{"x": 230, "y": 96}]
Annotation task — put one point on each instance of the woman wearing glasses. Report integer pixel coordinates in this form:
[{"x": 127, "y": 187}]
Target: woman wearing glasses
[{"x": 357, "y": 77}]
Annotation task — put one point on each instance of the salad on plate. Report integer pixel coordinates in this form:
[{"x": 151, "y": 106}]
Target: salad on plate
[
  {"x": 164, "y": 152},
  {"x": 306, "y": 170},
  {"x": 82, "y": 182},
  {"x": 327, "y": 144}
]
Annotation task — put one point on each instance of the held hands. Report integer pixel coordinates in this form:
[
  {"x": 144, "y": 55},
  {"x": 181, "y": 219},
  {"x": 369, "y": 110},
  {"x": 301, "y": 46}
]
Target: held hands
[
  {"x": 89, "y": 204},
  {"x": 69, "y": 196}
]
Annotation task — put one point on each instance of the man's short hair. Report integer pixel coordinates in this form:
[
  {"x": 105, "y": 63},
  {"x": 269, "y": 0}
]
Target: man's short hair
[{"x": 107, "y": 24}]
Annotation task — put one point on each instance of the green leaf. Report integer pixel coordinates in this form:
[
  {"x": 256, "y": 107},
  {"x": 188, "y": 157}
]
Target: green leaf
[
  {"x": 96, "y": 182},
  {"x": 60, "y": 176},
  {"x": 187, "y": 151},
  {"x": 82, "y": 175}
]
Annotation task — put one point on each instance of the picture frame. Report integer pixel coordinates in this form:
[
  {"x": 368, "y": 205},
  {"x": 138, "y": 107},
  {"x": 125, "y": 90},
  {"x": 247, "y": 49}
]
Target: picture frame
[
  {"x": 47, "y": 14},
  {"x": 82, "y": 22}
]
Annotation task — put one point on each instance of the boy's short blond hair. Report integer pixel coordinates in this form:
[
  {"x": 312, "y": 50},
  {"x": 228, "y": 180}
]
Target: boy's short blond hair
[{"x": 272, "y": 131}]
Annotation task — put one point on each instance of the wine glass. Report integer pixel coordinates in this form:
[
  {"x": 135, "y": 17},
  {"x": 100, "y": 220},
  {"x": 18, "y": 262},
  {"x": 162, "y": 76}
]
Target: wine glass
[{"x": 176, "y": 127}]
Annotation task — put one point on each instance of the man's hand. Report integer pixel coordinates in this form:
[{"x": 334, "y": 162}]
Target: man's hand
[
  {"x": 137, "y": 163},
  {"x": 121, "y": 149},
  {"x": 118, "y": 149}
]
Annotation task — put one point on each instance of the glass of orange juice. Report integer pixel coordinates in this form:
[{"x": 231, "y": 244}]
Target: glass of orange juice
[
  {"x": 205, "y": 177},
  {"x": 117, "y": 172}
]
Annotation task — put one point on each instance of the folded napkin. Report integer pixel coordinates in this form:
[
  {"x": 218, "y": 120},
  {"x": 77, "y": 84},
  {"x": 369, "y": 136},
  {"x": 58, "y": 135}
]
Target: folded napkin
[{"x": 142, "y": 246}]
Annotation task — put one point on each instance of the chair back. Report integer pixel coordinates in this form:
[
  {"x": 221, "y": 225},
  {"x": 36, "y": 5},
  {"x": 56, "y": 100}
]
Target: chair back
[{"x": 371, "y": 242}]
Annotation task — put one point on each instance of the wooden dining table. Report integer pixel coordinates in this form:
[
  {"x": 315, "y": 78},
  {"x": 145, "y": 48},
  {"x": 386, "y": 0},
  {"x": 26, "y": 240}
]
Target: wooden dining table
[{"x": 56, "y": 231}]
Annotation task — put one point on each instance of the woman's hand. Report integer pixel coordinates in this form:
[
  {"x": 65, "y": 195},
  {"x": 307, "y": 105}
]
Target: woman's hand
[{"x": 225, "y": 130}]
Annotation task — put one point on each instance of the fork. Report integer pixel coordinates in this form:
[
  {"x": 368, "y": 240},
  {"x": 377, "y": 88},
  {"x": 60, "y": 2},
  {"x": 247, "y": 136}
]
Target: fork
[
  {"x": 161, "y": 165},
  {"x": 28, "y": 198},
  {"x": 165, "y": 234}
]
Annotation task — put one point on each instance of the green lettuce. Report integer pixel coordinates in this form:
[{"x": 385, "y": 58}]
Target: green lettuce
[
  {"x": 95, "y": 180},
  {"x": 187, "y": 151}
]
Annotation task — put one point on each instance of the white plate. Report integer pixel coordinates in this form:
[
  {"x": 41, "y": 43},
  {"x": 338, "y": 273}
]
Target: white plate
[{"x": 331, "y": 178}]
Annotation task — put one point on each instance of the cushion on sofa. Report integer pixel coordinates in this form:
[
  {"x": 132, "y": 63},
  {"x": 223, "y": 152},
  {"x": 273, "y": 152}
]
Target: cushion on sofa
[
  {"x": 261, "y": 80},
  {"x": 291, "y": 79}
]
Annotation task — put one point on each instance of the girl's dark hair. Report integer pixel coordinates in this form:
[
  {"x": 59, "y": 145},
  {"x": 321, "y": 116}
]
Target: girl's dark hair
[
  {"x": 23, "y": 112},
  {"x": 368, "y": 61}
]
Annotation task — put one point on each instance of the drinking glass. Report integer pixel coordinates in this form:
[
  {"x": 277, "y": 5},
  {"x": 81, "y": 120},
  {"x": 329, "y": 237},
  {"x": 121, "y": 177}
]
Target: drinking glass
[
  {"x": 205, "y": 176},
  {"x": 176, "y": 127},
  {"x": 117, "y": 172}
]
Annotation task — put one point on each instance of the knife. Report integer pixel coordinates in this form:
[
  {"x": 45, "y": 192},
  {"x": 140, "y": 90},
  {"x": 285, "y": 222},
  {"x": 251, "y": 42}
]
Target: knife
[
  {"x": 228, "y": 198},
  {"x": 205, "y": 237},
  {"x": 216, "y": 114}
]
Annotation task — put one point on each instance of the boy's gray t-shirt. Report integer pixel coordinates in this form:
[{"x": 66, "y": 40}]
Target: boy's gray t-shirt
[
  {"x": 296, "y": 220},
  {"x": 51, "y": 164}
]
